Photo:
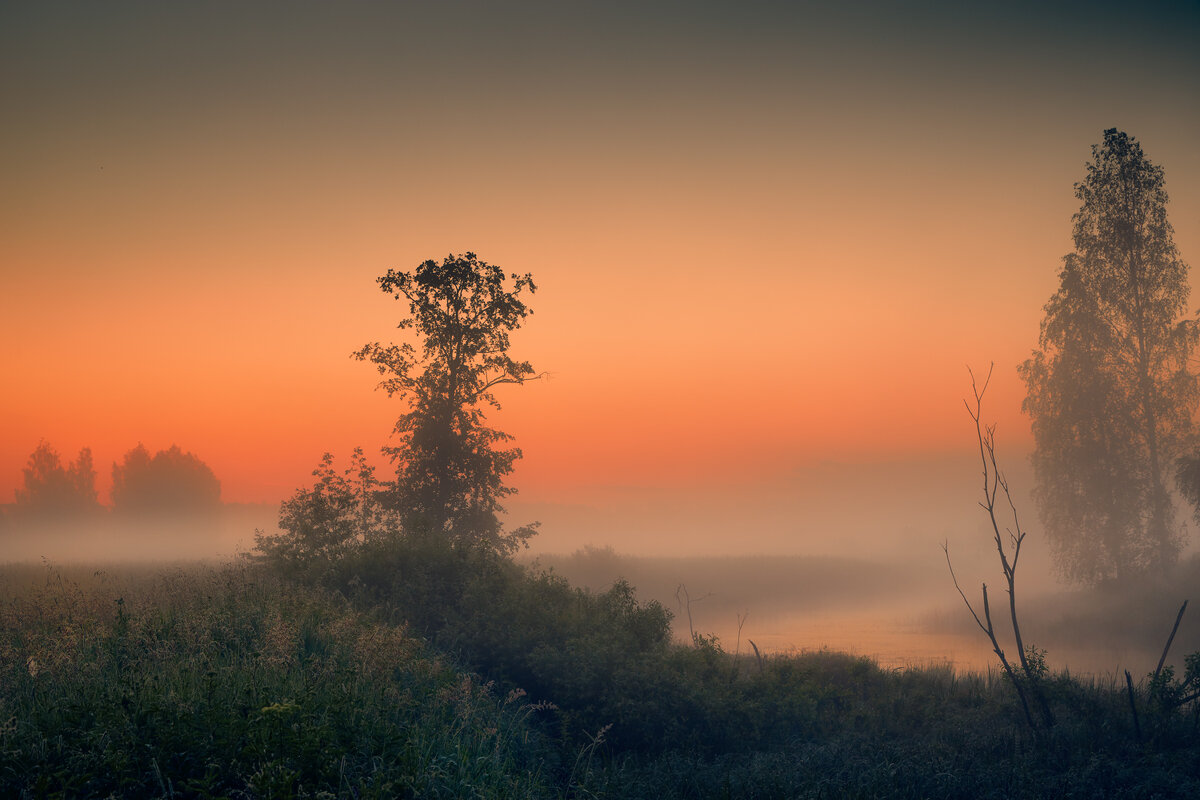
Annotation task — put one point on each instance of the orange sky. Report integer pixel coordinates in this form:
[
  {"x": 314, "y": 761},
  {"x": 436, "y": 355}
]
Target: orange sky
[{"x": 765, "y": 239}]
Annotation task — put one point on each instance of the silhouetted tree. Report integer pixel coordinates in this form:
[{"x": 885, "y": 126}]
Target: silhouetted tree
[
  {"x": 171, "y": 480},
  {"x": 51, "y": 488},
  {"x": 450, "y": 466},
  {"x": 1109, "y": 390}
]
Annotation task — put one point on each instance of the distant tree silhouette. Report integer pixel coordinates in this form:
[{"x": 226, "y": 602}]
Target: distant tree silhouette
[
  {"x": 50, "y": 488},
  {"x": 1109, "y": 390},
  {"x": 171, "y": 480},
  {"x": 450, "y": 466}
]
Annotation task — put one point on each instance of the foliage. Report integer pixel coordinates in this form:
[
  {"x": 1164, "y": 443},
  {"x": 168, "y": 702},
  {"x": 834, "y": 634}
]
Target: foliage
[
  {"x": 1168, "y": 692},
  {"x": 607, "y": 663},
  {"x": 1109, "y": 390},
  {"x": 1187, "y": 480},
  {"x": 323, "y": 525},
  {"x": 227, "y": 683},
  {"x": 450, "y": 467},
  {"x": 52, "y": 489},
  {"x": 526, "y": 628},
  {"x": 170, "y": 480}
]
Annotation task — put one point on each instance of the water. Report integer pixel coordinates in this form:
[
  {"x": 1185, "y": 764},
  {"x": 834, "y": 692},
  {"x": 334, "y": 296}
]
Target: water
[{"x": 919, "y": 640}]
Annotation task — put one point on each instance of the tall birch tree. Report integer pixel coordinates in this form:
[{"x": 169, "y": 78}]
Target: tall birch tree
[{"x": 1109, "y": 389}]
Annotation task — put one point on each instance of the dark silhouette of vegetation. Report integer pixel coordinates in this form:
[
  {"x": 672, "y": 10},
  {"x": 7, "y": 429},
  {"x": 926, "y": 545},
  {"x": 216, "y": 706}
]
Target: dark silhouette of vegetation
[
  {"x": 228, "y": 683},
  {"x": 585, "y": 652},
  {"x": 450, "y": 466},
  {"x": 328, "y": 523},
  {"x": 1110, "y": 393},
  {"x": 612, "y": 705},
  {"x": 1165, "y": 690},
  {"x": 1033, "y": 680},
  {"x": 232, "y": 682},
  {"x": 52, "y": 489},
  {"x": 169, "y": 481}
]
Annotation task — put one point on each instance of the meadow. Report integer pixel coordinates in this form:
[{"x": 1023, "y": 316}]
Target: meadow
[{"x": 418, "y": 671}]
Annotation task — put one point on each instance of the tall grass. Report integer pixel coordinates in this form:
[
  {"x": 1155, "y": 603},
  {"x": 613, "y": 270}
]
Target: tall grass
[{"x": 227, "y": 682}]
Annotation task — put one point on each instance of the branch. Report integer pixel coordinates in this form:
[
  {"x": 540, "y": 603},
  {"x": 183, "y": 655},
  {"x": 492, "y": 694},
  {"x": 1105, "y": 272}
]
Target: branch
[
  {"x": 1170, "y": 639},
  {"x": 993, "y": 482},
  {"x": 953, "y": 577},
  {"x": 499, "y": 379}
]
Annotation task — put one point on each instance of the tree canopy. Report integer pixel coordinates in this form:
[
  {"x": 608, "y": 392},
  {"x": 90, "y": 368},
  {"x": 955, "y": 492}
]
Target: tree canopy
[
  {"x": 1109, "y": 390},
  {"x": 51, "y": 488},
  {"x": 170, "y": 480}
]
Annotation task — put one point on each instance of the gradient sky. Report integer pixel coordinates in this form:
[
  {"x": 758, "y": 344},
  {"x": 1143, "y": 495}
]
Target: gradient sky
[{"x": 768, "y": 236}]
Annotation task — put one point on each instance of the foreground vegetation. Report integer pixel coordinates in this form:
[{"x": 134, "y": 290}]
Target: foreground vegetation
[
  {"x": 226, "y": 682},
  {"x": 422, "y": 670}
]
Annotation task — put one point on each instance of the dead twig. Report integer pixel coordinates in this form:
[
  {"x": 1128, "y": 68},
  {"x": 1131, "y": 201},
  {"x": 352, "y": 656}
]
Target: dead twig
[
  {"x": 1163, "y": 658},
  {"x": 991, "y": 634},
  {"x": 741, "y": 619},
  {"x": 685, "y": 603}
]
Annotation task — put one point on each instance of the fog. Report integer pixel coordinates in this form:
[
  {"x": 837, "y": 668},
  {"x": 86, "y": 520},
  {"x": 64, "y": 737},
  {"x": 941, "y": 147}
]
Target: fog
[
  {"x": 849, "y": 557},
  {"x": 900, "y": 612},
  {"x": 108, "y": 538},
  {"x": 787, "y": 279},
  {"x": 841, "y": 556}
]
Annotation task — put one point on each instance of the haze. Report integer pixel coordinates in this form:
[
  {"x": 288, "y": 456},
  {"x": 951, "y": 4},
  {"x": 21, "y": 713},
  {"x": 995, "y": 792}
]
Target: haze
[{"x": 768, "y": 241}]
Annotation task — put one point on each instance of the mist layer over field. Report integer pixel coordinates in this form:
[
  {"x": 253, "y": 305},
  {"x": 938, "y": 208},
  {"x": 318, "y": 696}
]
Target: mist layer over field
[
  {"x": 899, "y": 612},
  {"x": 847, "y": 557},
  {"x": 109, "y": 538}
]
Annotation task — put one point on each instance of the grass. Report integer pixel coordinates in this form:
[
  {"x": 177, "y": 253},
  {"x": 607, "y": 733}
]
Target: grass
[
  {"x": 492, "y": 680},
  {"x": 828, "y": 725},
  {"x": 224, "y": 682}
]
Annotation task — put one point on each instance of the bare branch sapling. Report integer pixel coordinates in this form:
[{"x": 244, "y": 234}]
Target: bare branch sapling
[{"x": 1006, "y": 538}]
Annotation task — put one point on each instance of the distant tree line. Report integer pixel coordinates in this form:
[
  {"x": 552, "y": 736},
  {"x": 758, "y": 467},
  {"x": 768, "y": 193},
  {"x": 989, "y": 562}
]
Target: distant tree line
[
  {"x": 50, "y": 487},
  {"x": 171, "y": 480}
]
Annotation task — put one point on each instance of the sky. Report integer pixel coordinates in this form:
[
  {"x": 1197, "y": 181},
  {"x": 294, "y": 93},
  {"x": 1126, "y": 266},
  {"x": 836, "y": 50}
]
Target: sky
[{"x": 768, "y": 238}]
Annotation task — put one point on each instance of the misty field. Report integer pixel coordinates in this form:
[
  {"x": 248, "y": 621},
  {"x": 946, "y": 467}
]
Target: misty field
[
  {"x": 429, "y": 673},
  {"x": 899, "y": 612}
]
